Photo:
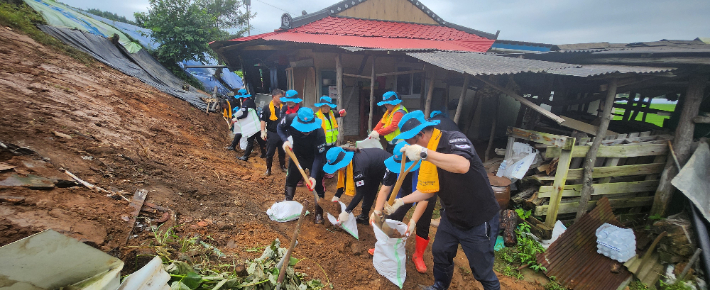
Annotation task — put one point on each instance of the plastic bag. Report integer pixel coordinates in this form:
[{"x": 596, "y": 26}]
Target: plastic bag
[
  {"x": 349, "y": 226},
  {"x": 390, "y": 257},
  {"x": 285, "y": 211},
  {"x": 368, "y": 143},
  {"x": 515, "y": 168},
  {"x": 247, "y": 127}
]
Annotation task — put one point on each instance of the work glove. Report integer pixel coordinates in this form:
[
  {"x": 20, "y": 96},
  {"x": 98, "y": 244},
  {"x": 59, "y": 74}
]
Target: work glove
[
  {"x": 287, "y": 146},
  {"x": 411, "y": 226},
  {"x": 373, "y": 214},
  {"x": 343, "y": 217},
  {"x": 413, "y": 152},
  {"x": 374, "y": 135},
  {"x": 311, "y": 183},
  {"x": 263, "y": 135},
  {"x": 335, "y": 198},
  {"x": 390, "y": 209},
  {"x": 342, "y": 113}
]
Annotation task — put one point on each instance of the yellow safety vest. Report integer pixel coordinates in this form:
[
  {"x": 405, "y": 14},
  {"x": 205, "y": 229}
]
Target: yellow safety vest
[
  {"x": 330, "y": 126},
  {"x": 387, "y": 120}
]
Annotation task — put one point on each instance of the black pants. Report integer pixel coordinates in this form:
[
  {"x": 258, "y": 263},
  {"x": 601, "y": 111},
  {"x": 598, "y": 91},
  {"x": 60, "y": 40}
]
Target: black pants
[
  {"x": 273, "y": 143},
  {"x": 367, "y": 195},
  {"x": 389, "y": 148},
  {"x": 477, "y": 243},
  {"x": 424, "y": 221},
  {"x": 235, "y": 141},
  {"x": 293, "y": 176},
  {"x": 250, "y": 144}
]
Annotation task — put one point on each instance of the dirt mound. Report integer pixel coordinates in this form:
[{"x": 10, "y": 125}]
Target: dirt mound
[{"x": 122, "y": 135}]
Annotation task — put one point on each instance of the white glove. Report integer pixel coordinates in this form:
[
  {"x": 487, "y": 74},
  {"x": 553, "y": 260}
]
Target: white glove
[
  {"x": 263, "y": 135},
  {"x": 373, "y": 214},
  {"x": 343, "y": 217},
  {"x": 413, "y": 152},
  {"x": 390, "y": 209},
  {"x": 312, "y": 183},
  {"x": 411, "y": 226},
  {"x": 374, "y": 135},
  {"x": 287, "y": 145},
  {"x": 335, "y": 198}
]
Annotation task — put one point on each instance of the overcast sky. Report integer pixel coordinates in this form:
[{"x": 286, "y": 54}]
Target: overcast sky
[{"x": 546, "y": 21}]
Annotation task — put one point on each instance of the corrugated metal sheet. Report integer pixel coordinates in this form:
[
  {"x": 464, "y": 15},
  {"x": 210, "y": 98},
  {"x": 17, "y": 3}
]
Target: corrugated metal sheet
[
  {"x": 597, "y": 70},
  {"x": 486, "y": 64},
  {"x": 573, "y": 258}
]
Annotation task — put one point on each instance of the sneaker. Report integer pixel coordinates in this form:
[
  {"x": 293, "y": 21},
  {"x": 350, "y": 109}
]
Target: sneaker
[
  {"x": 268, "y": 172},
  {"x": 243, "y": 158},
  {"x": 229, "y": 148}
]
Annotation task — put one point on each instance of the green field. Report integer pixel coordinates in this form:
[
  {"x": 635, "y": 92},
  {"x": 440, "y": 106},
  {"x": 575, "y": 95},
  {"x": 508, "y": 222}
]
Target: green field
[{"x": 650, "y": 118}]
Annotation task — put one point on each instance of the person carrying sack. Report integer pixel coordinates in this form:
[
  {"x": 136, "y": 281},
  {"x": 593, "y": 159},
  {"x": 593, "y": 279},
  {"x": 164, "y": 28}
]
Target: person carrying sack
[
  {"x": 292, "y": 102},
  {"x": 234, "y": 108},
  {"x": 309, "y": 148},
  {"x": 451, "y": 167},
  {"x": 248, "y": 108},
  {"x": 270, "y": 117},
  {"x": 330, "y": 124},
  {"x": 359, "y": 175},
  {"x": 387, "y": 126}
]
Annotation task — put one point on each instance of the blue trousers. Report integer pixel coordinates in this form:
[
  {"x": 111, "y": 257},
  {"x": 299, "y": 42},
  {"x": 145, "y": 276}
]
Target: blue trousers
[{"x": 477, "y": 244}]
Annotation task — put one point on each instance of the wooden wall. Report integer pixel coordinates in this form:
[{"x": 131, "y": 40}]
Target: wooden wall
[{"x": 389, "y": 10}]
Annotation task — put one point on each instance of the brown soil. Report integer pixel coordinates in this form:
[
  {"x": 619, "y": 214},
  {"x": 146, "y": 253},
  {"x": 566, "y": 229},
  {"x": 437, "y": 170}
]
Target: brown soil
[{"x": 125, "y": 136}]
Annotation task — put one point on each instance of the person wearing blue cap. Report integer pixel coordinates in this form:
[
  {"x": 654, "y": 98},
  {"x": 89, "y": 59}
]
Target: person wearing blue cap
[
  {"x": 309, "y": 147},
  {"x": 270, "y": 116},
  {"x": 359, "y": 175},
  {"x": 328, "y": 116},
  {"x": 292, "y": 102},
  {"x": 451, "y": 168},
  {"x": 248, "y": 106},
  {"x": 445, "y": 123},
  {"x": 387, "y": 126}
]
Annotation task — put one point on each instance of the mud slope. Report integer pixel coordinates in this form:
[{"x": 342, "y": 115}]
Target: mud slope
[{"x": 122, "y": 135}]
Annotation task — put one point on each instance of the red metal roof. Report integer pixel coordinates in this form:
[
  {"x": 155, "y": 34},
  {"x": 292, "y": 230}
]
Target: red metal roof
[{"x": 379, "y": 34}]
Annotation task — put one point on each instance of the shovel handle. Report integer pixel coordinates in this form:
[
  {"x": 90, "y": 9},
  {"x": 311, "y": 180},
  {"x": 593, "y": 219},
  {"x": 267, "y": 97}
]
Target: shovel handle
[
  {"x": 303, "y": 173},
  {"x": 400, "y": 180},
  {"x": 287, "y": 258}
]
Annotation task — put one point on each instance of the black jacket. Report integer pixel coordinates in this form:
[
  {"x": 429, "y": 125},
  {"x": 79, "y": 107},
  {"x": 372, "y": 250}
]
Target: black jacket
[
  {"x": 306, "y": 147},
  {"x": 368, "y": 169},
  {"x": 247, "y": 104}
]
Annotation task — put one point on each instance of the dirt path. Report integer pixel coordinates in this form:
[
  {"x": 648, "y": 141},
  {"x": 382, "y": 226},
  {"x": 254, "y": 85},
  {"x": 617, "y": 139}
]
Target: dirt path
[{"x": 126, "y": 136}]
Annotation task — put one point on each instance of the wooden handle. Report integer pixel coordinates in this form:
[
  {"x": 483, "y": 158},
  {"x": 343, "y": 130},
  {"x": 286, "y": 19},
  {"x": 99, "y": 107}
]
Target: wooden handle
[
  {"x": 400, "y": 180},
  {"x": 284, "y": 266},
  {"x": 303, "y": 173}
]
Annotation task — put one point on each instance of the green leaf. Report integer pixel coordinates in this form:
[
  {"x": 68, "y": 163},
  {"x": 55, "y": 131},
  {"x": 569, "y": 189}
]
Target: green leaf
[
  {"x": 192, "y": 280},
  {"x": 292, "y": 261},
  {"x": 177, "y": 285}
]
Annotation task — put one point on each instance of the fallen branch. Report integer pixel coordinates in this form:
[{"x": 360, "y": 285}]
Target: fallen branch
[
  {"x": 91, "y": 186},
  {"x": 144, "y": 151}
]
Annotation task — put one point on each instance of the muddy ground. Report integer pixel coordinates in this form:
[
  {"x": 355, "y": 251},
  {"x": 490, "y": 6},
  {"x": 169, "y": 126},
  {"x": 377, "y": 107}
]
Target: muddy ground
[{"x": 122, "y": 135}]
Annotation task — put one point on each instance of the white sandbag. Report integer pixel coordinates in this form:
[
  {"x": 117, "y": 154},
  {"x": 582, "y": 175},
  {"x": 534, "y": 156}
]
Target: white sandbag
[
  {"x": 349, "y": 226},
  {"x": 368, "y": 143},
  {"x": 390, "y": 257},
  {"x": 285, "y": 211},
  {"x": 247, "y": 127}
]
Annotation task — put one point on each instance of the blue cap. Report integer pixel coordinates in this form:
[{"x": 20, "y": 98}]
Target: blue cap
[
  {"x": 325, "y": 100},
  {"x": 291, "y": 96},
  {"x": 390, "y": 98},
  {"x": 242, "y": 93},
  {"x": 306, "y": 121},
  {"x": 412, "y": 123},
  {"x": 337, "y": 158},
  {"x": 435, "y": 113},
  {"x": 234, "y": 110},
  {"x": 394, "y": 163}
]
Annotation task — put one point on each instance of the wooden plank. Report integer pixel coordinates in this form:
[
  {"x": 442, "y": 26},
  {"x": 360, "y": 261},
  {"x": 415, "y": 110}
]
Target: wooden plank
[
  {"x": 429, "y": 95},
  {"x": 613, "y": 171},
  {"x": 372, "y": 97},
  {"x": 538, "y": 137},
  {"x": 509, "y": 148},
  {"x": 601, "y": 189},
  {"x": 559, "y": 184},
  {"x": 617, "y": 151},
  {"x": 459, "y": 108},
  {"x": 339, "y": 84},
  {"x": 701, "y": 120},
  {"x": 401, "y": 73},
  {"x": 616, "y": 203},
  {"x": 356, "y": 76},
  {"x": 523, "y": 101},
  {"x": 581, "y": 126}
]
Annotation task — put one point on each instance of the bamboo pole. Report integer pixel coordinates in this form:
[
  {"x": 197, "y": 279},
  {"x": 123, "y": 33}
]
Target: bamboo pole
[
  {"x": 339, "y": 84},
  {"x": 372, "y": 96},
  {"x": 459, "y": 108},
  {"x": 429, "y": 95},
  {"x": 591, "y": 157}
]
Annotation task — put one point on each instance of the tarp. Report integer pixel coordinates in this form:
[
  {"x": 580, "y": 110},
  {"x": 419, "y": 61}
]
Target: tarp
[
  {"x": 140, "y": 64},
  {"x": 693, "y": 181},
  {"x": 60, "y": 15},
  {"x": 140, "y": 34}
]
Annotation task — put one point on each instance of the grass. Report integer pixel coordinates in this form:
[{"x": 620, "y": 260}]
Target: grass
[
  {"x": 650, "y": 118},
  {"x": 25, "y": 19}
]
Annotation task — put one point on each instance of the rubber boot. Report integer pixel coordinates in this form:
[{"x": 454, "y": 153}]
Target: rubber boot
[
  {"x": 418, "y": 256},
  {"x": 442, "y": 278},
  {"x": 290, "y": 192},
  {"x": 282, "y": 163},
  {"x": 319, "y": 215},
  {"x": 269, "y": 161},
  {"x": 247, "y": 151}
]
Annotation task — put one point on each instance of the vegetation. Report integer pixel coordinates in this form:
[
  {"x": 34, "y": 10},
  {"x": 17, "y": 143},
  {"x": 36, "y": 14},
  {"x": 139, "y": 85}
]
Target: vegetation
[
  {"x": 25, "y": 19},
  {"x": 650, "y": 118},
  {"x": 553, "y": 285},
  {"x": 109, "y": 15}
]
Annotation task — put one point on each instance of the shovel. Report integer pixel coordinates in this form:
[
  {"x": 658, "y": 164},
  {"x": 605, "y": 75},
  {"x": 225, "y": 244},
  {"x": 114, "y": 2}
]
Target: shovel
[
  {"x": 287, "y": 257},
  {"x": 325, "y": 205},
  {"x": 379, "y": 220}
]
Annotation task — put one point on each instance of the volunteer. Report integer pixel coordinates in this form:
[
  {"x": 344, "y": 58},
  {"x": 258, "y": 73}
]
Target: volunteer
[
  {"x": 421, "y": 219},
  {"x": 445, "y": 123},
  {"x": 292, "y": 102},
  {"x": 234, "y": 109},
  {"x": 387, "y": 126},
  {"x": 451, "y": 167},
  {"x": 269, "y": 120},
  {"x": 309, "y": 147},
  {"x": 359, "y": 174},
  {"x": 248, "y": 103},
  {"x": 330, "y": 124}
]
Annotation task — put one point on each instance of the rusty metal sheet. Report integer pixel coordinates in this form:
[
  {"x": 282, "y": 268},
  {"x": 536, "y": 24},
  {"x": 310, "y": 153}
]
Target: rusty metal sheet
[{"x": 573, "y": 257}]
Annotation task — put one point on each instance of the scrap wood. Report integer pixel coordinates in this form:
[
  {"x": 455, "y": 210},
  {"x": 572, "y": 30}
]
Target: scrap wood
[
  {"x": 60, "y": 134},
  {"x": 11, "y": 199},
  {"x": 523, "y": 195},
  {"x": 91, "y": 186},
  {"x": 136, "y": 204},
  {"x": 5, "y": 166}
]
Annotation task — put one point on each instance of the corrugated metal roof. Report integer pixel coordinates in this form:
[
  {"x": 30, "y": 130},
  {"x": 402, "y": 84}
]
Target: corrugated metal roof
[
  {"x": 573, "y": 257},
  {"x": 597, "y": 70},
  {"x": 486, "y": 64}
]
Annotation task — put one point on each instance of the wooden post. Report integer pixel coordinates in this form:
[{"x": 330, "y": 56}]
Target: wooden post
[
  {"x": 629, "y": 103},
  {"x": 493, "y": 129},
  {"x": 461, "y": 98},
  {"x": 591, "y": 157},
  {"x": 523, "y": 101},
  {"x": 372, "y": 96},
  {"x": 681, "y": 143},
  {"x": 559, "y": 183},
  {"x": 477, "y": 100},
  {"x": 429, "y": 94},
  {"x": 339, "y": 84}
]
